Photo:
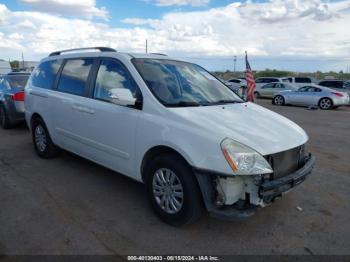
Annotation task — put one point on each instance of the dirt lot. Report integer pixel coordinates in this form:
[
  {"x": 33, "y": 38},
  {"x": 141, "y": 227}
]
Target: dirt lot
[{"x": 71, "y": 206}]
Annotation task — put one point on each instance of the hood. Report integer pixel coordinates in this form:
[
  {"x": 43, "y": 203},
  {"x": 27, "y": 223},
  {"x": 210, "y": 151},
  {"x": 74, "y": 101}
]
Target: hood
[{"x": 247, "y": 123}]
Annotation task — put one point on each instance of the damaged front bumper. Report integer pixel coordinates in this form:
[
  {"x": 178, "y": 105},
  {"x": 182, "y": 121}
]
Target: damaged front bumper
[
  {"x": 263, "y": 194},
  {"x": 271, "y": 189}
]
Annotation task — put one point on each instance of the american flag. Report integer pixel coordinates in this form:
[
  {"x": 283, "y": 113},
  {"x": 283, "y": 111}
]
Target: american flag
[{"x": 250, "y": 80}]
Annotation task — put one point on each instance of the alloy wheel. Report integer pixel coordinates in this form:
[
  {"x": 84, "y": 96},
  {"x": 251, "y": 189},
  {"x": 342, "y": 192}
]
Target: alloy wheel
[
  {"x": 278, "y": 100},
  {"x": 40, "y": 138},
  {"x": 168, "y": 191},
  {"x": 325, "y": 103}
]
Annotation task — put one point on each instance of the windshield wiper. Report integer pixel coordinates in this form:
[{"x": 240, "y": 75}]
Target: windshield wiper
[
  {"x": 183, "y": 104},
  {"x": 226, "y": 101}
]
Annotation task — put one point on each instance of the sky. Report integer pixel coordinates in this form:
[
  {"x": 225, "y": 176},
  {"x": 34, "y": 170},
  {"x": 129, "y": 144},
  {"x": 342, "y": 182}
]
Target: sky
[{"x": 294, "y": 35}]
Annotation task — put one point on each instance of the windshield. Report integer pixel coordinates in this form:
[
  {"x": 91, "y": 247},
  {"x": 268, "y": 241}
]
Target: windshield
[
  {"x": 18, "y": 80},
  {"x": 180, "y": 84}
]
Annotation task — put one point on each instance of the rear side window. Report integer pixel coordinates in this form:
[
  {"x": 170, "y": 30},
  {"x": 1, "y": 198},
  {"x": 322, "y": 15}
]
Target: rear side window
[
  {"x": 302, "y": 80},
  {"x": 74, "y": 76},
  {"x": 45, "y": 74}
]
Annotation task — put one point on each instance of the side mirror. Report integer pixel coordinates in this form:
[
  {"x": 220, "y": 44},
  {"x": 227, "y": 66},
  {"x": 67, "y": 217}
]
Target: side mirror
[{"x": 122, "y": 97}]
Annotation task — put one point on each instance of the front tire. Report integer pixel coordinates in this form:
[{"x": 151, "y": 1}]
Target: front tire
[
  {"x": 4, "y": 119},
  {"x": 257, "y": 95},
  {"x": 325, "y": 103},
  {"x": 278, "y": 100},
  {"x": 42, "y": 142},
  {"x": 173, "y": 190}
]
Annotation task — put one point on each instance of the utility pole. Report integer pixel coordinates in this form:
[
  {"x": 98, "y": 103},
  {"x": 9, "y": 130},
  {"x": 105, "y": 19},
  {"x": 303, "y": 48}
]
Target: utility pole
[
  {"x": 235, "y": 61},
  {"x": 146, "y": 46},
  {"x": 22, "y": 61}
]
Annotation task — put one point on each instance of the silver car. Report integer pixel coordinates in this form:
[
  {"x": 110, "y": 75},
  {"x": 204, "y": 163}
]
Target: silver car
[
  {"x": 312, "y": 95},
  {"x": 271, "y": 89}
]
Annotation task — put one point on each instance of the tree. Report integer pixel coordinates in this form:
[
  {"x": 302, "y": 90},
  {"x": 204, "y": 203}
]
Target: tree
[{"x": 14, "y": 64}]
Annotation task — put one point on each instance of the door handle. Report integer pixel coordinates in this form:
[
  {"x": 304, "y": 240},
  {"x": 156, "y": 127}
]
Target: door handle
[
  {"x": 36, "y": 93},
  {"x": 83, "y": 109}
]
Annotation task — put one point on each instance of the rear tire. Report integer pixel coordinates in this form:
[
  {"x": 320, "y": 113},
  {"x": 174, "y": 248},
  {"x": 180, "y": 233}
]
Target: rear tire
[
  {"x": 42, "y": 142},
  {"x": 4, "y": 119},
  {"x": 278, "y": 100},
  {"x": 173, "y": 190},
  {"x": 325, "y": 103}
]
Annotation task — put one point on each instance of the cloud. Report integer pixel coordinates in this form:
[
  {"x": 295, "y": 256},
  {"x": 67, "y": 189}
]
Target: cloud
[
  {"x": 276, "y": 29},
  {"x": 279, "y": 10},
  {"x": 82, "y": 8},
  {"x": 181, "y": 2},
  {"x": 140, "y": 21}
]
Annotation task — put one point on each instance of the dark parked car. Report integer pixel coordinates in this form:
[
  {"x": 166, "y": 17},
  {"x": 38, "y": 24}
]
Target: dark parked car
[{"x": 12, "y": 98}]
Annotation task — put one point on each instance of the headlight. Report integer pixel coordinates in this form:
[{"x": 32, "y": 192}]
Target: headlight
[{"x": 244, "y": 160}]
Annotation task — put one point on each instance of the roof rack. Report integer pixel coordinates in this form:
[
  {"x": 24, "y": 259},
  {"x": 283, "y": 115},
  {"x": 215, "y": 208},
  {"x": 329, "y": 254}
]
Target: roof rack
[
  {"x": 102, "y": 49},
  {"x": 158, "y": 54}
]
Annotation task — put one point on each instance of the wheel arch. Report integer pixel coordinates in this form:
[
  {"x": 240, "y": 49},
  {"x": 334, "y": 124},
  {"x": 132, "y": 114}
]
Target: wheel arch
[
  {"x": 318, "y": 103},
  {"x": 155, "y": 151},
  {"x": 34, "y": 117}
]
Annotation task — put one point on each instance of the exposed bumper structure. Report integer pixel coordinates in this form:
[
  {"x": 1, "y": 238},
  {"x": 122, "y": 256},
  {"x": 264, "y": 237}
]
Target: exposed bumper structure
[
  {"x": 266, "y": 191},
  {"x": 269, "y": 190}
]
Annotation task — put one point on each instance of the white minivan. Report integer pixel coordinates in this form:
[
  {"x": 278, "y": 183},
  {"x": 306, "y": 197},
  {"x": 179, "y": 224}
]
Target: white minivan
[{"x": 169, "y": 124}]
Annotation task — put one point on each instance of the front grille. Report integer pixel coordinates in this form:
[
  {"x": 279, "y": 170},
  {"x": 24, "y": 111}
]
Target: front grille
[{"x": 286, "y": 162}]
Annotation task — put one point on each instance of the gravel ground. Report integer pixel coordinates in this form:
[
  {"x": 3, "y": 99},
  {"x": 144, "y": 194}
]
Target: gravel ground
[{"x": 69, "y": 205}]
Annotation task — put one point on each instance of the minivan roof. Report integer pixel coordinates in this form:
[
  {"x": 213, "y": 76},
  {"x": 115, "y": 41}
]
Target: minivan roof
[{"x": 103, "y": 51}]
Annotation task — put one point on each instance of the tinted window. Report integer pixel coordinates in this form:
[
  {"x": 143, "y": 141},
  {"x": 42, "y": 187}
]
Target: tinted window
[
  {"x": 74, "y": 76},
  {"x": 302, "y": 80},
  {"x": 324, "y": 83},
  {"x": 313, "y": 89},
  {"x": 338, "y": 84},
  {"x": 45, "y": 74},
  {"x": 303, "y": 89},
  {"x": 259, "y": 80},
  {"x": 18, "y": 81},
  {"x": 332, "y": 84},
  {"x": 235, "y": 81},
  {"x": 112, "y": 75},
  {"x": 279, "y": 85},
  {"x": 290, "y": 79}
]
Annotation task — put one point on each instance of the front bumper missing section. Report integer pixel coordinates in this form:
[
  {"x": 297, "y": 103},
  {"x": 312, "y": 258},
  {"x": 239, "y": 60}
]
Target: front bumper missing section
[{"x": 268, "y": 191}]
